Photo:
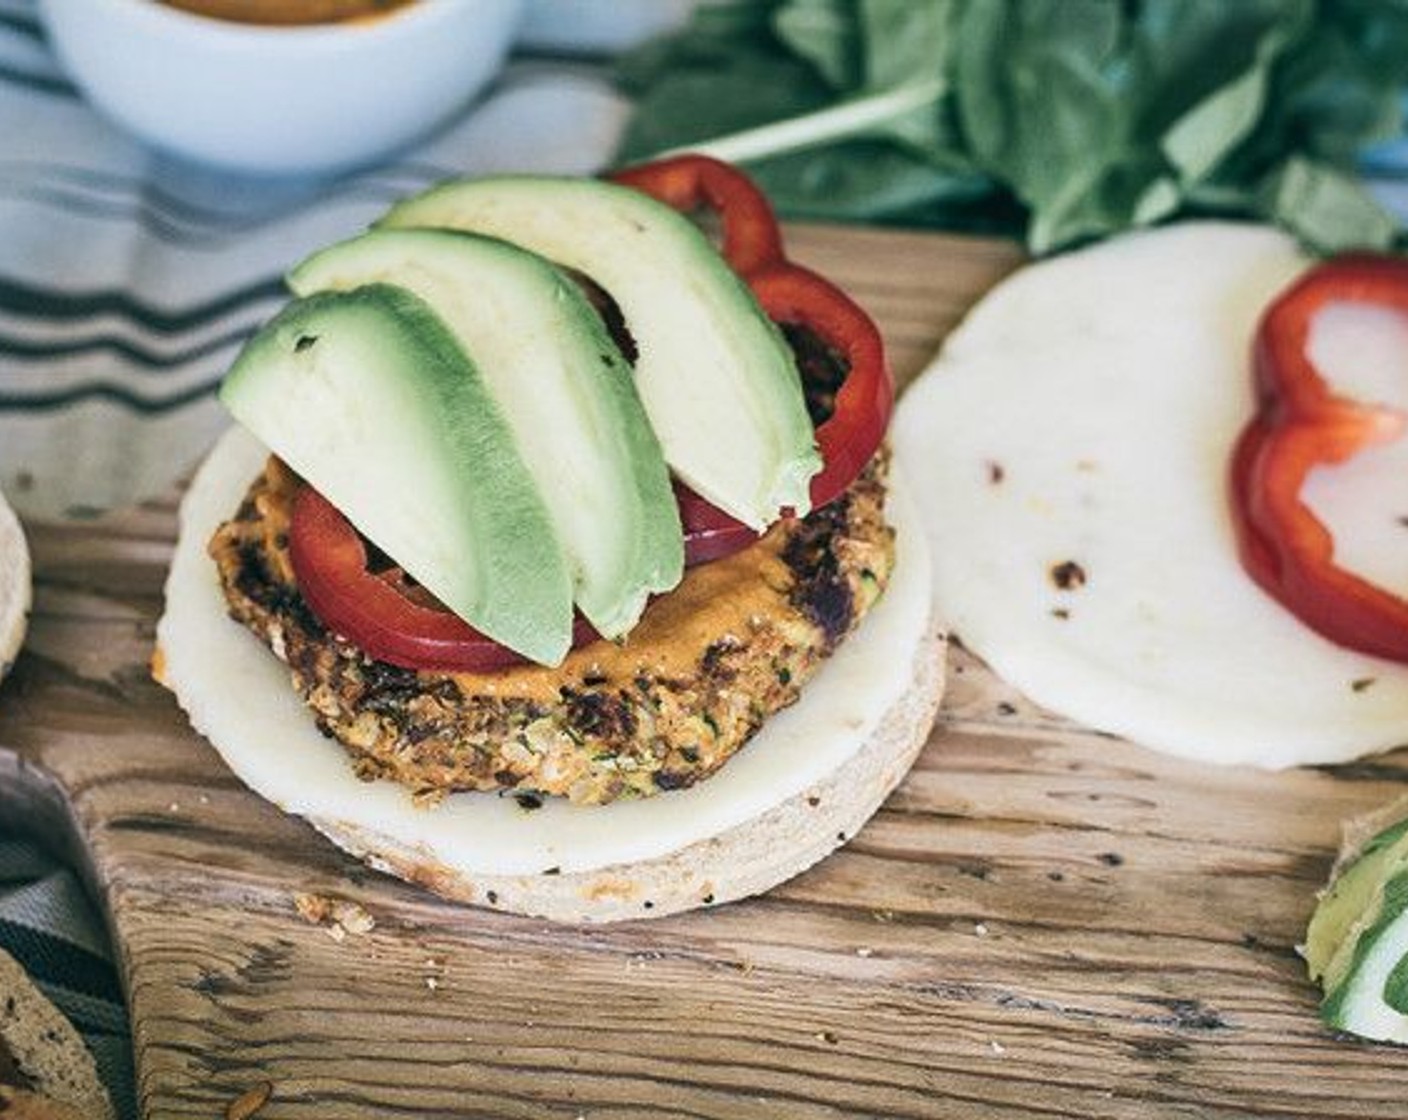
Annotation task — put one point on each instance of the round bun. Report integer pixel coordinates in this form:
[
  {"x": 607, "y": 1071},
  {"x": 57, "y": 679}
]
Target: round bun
[
  {"x": 60, "y": 1079},
  {"x": 806, "y": 782},
  {"x": 14, "y": 586}
]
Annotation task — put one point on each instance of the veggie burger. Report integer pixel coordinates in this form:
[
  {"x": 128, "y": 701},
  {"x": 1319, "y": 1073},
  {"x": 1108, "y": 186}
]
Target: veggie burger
[{"x": 548, "y": 504}]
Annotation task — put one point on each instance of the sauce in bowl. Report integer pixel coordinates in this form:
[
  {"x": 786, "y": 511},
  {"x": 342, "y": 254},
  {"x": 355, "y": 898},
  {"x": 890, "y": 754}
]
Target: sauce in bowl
[{"x": 290, "y": 12}]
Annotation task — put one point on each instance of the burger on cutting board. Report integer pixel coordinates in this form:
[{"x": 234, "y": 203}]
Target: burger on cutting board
[{"x": 558, "y": 563}]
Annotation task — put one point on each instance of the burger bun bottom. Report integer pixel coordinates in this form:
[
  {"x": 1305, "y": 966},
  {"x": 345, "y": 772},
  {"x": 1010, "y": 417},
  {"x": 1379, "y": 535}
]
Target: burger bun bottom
[{"x": 805, "y": 784}]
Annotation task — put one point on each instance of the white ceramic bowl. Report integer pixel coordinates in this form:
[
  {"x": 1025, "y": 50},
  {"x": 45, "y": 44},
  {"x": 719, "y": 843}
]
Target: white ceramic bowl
[
  {"x": 280, "y": 100},
  {"x": 594, "y": 26}
]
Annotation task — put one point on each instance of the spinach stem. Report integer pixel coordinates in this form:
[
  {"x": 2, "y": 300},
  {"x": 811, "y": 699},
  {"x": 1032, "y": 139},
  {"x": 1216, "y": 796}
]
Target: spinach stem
[{"x": 821, "y": 127}]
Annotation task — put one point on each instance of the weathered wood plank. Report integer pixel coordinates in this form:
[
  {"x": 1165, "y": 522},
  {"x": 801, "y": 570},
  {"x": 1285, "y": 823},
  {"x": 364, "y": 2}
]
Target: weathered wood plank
[{"x": 1042, "y": 921}]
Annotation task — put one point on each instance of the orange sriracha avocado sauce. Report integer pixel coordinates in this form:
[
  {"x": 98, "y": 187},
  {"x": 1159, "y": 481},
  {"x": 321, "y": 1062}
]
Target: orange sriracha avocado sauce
[{"x": 290, "y": 12}]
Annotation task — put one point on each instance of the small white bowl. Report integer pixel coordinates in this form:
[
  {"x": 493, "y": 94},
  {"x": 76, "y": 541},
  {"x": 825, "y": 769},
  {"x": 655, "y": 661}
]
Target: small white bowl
[
  {"x": 280, "y": 100},
  {"x": 596, "y": 26}
]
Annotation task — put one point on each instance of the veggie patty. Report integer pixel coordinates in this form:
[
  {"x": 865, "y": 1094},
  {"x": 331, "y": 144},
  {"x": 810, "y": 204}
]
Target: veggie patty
[{"x": 708, "y": 663}]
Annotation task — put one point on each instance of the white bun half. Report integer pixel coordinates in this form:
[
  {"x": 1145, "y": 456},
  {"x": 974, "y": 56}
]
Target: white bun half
[
  {"x": 14, "y": 586},
  {"x": 1086, "y": 411},
  {"x": 47, "y": 1050},
  {"x": 803, "y": 785}
]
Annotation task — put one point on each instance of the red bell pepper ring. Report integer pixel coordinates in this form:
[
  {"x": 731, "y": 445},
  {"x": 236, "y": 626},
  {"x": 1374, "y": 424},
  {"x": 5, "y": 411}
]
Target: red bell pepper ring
[
  {"x": 1301, "y": 424},
  {"x": 751, "y": 238},
  {"x": 377, "y": 613}
]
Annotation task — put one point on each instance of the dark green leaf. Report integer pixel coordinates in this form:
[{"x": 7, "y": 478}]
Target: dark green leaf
[
  {"x": 826, "y": 34},
  {"x": 1032, "y": 102},
  {"x": 1327, "y": 209},
  {"x": 713, "y": 33},
  {"x": 904, "y": 38},
  {"x": 1096, "y": 115},
  {"x": 1202, "y": 70},
  {"x": 697, "y": 102},
  {"x": 869, "y": 180},
  {"x": 1138, "y": 192}
]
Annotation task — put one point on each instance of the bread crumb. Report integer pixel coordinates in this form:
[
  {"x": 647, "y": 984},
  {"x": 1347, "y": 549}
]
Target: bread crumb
[
  {"x": 352, "y": 917},
  {"x": 427, "y": 798},
  {"x": 312, "y": 908},
  {"x": 997, "y": 1047},
  {"x": 249, "y": 1102},
  {"x": 864, "y": 952},
  {"x": 980, "y": 929},
  {"x": 432, "y": 983},
  {"x": 338, "y": 916}
]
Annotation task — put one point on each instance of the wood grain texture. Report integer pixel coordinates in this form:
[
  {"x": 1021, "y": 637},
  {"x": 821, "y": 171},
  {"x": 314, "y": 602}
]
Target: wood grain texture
[{"x": 1042, "y": 921}]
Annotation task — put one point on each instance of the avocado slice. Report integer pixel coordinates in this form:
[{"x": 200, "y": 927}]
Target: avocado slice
[
  {"x": 1340, "y": 912},
  {"x": 1357, "y": 942},
  {"x": 716, "y": 376},
  {"x": 369, "y": 397},
  {"x": 562, "y": 386},
  {"x": 1366, "y": 990}
]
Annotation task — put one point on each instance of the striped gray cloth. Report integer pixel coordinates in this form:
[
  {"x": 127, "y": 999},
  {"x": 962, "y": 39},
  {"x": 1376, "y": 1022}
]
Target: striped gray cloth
[{"x": 128, "y": 280}]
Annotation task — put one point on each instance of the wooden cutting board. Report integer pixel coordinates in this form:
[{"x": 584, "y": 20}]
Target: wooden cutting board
[{"x": 1042, "y": 921}]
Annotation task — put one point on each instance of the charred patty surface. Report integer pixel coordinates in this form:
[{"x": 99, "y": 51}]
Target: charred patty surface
[{"x": 660, "y": 710}]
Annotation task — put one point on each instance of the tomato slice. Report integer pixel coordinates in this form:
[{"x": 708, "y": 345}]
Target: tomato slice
[{"x": 378, "y": 612}]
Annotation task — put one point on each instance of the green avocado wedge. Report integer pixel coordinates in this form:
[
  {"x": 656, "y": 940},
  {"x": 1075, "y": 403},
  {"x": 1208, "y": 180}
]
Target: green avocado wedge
[
  {"x": 562, "y": 386},
  {"x": 1367, "y": 996},
  {"x": 1356, "y": 943},
  {"x": 1350, "y": 896},
  {"x": 370, "y": 398},
  {"x": 715, "y": 375}
]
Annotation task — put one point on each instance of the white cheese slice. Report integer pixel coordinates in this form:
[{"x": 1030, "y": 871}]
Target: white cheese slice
[
  {"x": 1083, "y": 415},
  {"x": 239, "y": 696}
]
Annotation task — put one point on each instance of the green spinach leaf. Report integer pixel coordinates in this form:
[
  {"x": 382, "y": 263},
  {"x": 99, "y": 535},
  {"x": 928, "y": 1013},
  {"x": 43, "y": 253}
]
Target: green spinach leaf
[{"x": 1072, "y": 119}]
